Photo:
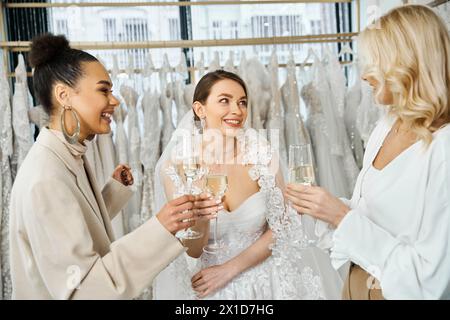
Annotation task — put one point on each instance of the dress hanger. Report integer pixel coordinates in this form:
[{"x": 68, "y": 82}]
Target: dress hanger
[
  {"x": 229, "y": 64},
  {"x": 200, "y": 65},
  {"x": 311, "y": 54},
  {"x": 149, "y": 67},
  {"x": 346, "y": 49},
  {"x": 182, "y": 68},
  {"x": 147, "y": 72},
  {"x": 115, "y": 69}
]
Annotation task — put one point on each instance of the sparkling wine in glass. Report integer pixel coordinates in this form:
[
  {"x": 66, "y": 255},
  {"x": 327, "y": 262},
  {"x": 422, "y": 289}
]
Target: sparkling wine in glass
[
  {"x": 190, "y": 168},
  {"x": 301, "y": 171},
  {"x": 216, "y": 184},
  {"x": 302, "y": 174}
]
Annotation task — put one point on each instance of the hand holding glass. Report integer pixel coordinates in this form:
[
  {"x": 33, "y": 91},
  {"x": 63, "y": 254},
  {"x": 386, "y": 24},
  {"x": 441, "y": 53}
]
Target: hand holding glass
[
  {"x": 190, "y": 168},
  {"x": 301, "y": 171},
  {"x": 216, "y": 184}
]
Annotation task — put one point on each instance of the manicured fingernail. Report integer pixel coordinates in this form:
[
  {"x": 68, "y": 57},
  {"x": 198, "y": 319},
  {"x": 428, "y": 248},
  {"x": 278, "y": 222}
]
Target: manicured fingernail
[
  {"x": 220, "y": 208},
  {"x": 218, "y": 201}
]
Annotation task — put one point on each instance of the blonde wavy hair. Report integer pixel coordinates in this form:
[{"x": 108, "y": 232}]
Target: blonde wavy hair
[{"x": 408, "y": 52}]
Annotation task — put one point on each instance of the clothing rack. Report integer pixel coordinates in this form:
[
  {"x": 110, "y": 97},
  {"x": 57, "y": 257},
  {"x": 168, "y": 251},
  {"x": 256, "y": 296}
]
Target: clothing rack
[
  {"x": 28, "y": 5},
  {"x": 23, "y": 46},
  {"x": 24, "y": 5},
  {"x": 101, "y": 45},
  {"x": 193, "y": 69}
]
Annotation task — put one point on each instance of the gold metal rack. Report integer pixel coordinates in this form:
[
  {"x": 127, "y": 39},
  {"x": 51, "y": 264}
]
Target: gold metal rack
[
  {"x": 22, "y": 46},
  {"x": 323, "y": 38},
  {"x": 28, "y": 5},
  {"x": 192, "y": 70},
  {"x": 161, "y": 3}
]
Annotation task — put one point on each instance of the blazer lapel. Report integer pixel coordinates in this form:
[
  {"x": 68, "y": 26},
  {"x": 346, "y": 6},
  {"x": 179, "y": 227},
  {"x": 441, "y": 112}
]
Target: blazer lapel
[
  {"x": 50, "y": 141},
  {"x": 87, "y": 190},
  {"x": 104, "y": 215}
]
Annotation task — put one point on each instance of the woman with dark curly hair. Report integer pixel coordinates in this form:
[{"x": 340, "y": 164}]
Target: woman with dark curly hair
[{"x": 61, "y": 239}]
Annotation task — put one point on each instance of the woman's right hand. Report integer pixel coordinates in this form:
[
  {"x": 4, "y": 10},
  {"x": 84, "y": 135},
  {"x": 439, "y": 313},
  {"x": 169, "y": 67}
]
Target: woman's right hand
[
  {"x": 316, "y": 202},
  {"x": 206, "y": 207},
  {"x": 177, "y": 214}
]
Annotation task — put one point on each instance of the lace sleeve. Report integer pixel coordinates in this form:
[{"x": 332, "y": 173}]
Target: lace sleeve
[{"x": 296, "y": 277}]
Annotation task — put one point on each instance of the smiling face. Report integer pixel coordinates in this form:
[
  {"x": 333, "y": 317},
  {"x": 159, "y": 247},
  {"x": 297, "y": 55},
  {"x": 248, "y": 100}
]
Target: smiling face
[
  {"x": 225, "y": 108},
  {"x": 91, "y": 98}
]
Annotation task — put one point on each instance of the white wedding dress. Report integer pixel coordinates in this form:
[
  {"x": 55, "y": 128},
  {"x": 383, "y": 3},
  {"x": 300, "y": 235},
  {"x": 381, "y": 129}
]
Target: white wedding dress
[
  {"x": 259, "y": 93},
  {"x": 131, "y": 98},
  {"x": 276, "y": 113},
  {"x": 352, "y": 103},
  {"x": 295, "y": 130},
  {"x": 166, "y": 103},
  {"x": 21, "y": 104},
  {"x": 291, "y": 272},
  {"x": 336, "y": 166},
  {"x": 6, "y": 180}
]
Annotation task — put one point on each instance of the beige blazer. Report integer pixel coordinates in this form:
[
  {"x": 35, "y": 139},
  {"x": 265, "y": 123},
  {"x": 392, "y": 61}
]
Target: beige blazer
[{"x": 61, "y": 240}]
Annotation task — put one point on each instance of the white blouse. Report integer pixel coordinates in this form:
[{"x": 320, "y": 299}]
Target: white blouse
[{"x": 398, "y": 228}]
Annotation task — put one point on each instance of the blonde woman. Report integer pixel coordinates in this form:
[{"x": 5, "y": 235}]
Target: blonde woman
[{"x": 395, "y": 230}]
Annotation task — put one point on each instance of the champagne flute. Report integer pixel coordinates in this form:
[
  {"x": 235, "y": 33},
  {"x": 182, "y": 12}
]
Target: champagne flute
[
  {"x": 190, "y": 168},
  {"x": 216, "y": 184},
  {"x": 301, "y": 171}
]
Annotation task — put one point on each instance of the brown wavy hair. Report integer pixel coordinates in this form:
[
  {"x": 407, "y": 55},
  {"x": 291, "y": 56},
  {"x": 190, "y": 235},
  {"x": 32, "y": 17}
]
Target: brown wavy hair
[{"x": 203, "y": 88}]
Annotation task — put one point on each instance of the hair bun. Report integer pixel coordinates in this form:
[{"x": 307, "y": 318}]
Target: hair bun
[{"x": 46, "y": 47}]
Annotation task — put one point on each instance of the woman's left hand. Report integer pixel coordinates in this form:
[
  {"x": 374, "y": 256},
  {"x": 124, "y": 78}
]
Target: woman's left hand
[
  {"x": 209, "y": 280},
  {"x": 316, "y": 202},
  {"x": 122, "y": 173}
]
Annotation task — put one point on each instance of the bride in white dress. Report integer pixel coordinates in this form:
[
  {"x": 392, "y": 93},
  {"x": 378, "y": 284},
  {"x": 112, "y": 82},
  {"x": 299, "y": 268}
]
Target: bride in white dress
[{"x": 264, "y": 255}]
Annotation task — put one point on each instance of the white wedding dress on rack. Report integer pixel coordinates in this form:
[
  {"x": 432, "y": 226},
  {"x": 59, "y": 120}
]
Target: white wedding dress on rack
[
  {"x": 119, "y": 116},
  {"x": 6, "y": 152},
  {"x": 229, "y": 64},
  {"x": 258, "y": 86},
  {"x": 121, "y": 139},
  {"x": 328, "y": 137},
  {"x": 337, "y": 82},
  {"x": 189, "y": 89},
  {"x": 242, "y": 72},
  {"x": 291, "y": 272},
  {"x": 352, "y": 103},
  {"x": 200, "y": 66},
  {"x": 179, "y": 87},
  {"x": 276, "y": 114},
  {"x": 166, "y": 103},
  {"x": 295, "y": 130},
  {"x": 150, "y": 150},
  {"x": 130, "y": 97},
  {"x": 23, "y": 132},
  {"x": 214, "y": 64}
]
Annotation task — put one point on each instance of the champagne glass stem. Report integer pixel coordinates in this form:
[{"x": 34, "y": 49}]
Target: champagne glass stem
[
  {"x": 215, "y": 229},
  {"x": 189, "y": 185}
]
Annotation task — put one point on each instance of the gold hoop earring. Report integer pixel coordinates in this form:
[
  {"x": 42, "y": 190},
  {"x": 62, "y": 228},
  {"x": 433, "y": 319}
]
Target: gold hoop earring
[{"x": 72, "y": 139}]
